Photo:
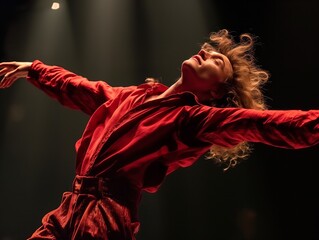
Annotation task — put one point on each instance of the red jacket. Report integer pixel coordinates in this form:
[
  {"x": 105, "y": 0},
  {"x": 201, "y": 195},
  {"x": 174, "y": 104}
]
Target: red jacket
[{"x": 140, "y": 142}]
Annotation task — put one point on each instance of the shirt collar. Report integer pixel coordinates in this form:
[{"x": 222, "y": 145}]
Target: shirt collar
[{"x": 157, "y": 88}]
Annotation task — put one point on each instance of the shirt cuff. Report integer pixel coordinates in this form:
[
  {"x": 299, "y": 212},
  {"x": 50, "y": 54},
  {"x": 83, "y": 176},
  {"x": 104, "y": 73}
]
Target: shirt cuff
[{"x": 34, "y": 70}]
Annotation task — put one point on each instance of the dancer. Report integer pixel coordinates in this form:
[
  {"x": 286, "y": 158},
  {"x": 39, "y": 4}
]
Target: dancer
[{"x": 139, "y": 134}]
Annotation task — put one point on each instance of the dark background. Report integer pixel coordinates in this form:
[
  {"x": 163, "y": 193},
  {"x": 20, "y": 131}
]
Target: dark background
[{"x": 273, "y": 195}]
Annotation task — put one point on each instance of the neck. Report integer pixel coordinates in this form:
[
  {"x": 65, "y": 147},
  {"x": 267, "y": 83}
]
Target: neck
[{"x": 177, "y": 87}]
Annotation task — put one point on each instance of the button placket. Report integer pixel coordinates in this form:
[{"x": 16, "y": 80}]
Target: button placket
[{"x": 104, "y": 140}]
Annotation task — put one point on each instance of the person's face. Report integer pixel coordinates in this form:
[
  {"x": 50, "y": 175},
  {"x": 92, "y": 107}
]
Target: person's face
[{"x": 205, "y": 73}]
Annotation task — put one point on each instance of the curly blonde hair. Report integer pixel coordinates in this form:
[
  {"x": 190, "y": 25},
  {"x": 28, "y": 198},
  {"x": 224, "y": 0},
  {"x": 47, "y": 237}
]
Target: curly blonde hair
[{"x": 243, "y": 88}]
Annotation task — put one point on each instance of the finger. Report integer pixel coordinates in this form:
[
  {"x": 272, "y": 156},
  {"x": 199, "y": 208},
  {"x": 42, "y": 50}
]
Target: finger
[
  {"x": 8, "y": 64},
  {"x": 3, "y": 82},
  {"x": 11, "y": 77},
  {"x": 10, "y": 82},
  {"x": 4, "y": 77},
  {"x": 5, "y": 70},
  {"x": 17, "y": 73},
  {"x": 12, "y": 72},
  {"x": 6, "y": 81}
]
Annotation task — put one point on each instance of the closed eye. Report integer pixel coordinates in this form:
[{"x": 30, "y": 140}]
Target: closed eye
[{"x": 219, "y": 61}]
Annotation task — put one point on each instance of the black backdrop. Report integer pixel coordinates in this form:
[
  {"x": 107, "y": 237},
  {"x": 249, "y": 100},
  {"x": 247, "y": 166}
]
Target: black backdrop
[{"x": 273, "y": 195}]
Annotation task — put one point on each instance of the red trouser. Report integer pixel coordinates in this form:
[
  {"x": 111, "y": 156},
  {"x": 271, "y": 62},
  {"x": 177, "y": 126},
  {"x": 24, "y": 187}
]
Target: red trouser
[{"x": 88, "y": 213}]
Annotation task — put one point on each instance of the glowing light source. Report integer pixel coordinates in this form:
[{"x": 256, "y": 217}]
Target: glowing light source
[{"x": 55, "y": 6}]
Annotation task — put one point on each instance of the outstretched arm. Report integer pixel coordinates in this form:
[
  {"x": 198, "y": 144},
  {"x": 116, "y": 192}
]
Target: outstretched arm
[
  {"x": 69, "y": 89},
  {"x": 230, "y": 126}
]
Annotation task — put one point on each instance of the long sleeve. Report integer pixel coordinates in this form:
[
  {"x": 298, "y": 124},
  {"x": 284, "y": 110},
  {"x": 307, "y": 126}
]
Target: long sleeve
[
  {"x": 230, "y": 126},
  {"x": 71, "y": 90}
]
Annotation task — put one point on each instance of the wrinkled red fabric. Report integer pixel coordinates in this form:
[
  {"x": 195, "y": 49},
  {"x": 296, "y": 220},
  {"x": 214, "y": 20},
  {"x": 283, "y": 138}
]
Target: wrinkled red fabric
[
  {"x": 138, "y": 143},
  {"x": 92, "y": 211}
]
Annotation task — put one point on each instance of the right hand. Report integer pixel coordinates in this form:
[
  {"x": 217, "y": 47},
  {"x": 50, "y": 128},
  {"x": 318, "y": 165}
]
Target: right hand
[{"x": 12, "y": 71}]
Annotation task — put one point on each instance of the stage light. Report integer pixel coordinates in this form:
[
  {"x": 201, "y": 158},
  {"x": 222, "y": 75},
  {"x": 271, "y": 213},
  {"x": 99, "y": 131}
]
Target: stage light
[{"x": 55, "y": 6}]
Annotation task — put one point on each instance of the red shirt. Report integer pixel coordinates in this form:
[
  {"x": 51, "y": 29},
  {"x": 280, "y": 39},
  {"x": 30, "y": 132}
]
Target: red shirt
[{"x": 142, "y": 142}]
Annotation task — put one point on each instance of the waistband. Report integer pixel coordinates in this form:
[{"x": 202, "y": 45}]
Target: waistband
[{"x": 121, "y": 191}]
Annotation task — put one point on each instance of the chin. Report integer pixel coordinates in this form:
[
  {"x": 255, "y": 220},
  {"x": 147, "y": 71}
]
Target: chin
[
  {"x": 188, "y": 69},
  {"x": 188, "y": 62}
]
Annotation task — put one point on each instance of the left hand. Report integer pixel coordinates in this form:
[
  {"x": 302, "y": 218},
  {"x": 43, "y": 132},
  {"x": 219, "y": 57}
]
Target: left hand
[{"x": 12, "y": 71}]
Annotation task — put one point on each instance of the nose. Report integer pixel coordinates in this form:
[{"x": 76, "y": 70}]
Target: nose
[{"x": 204, "y": 54}]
